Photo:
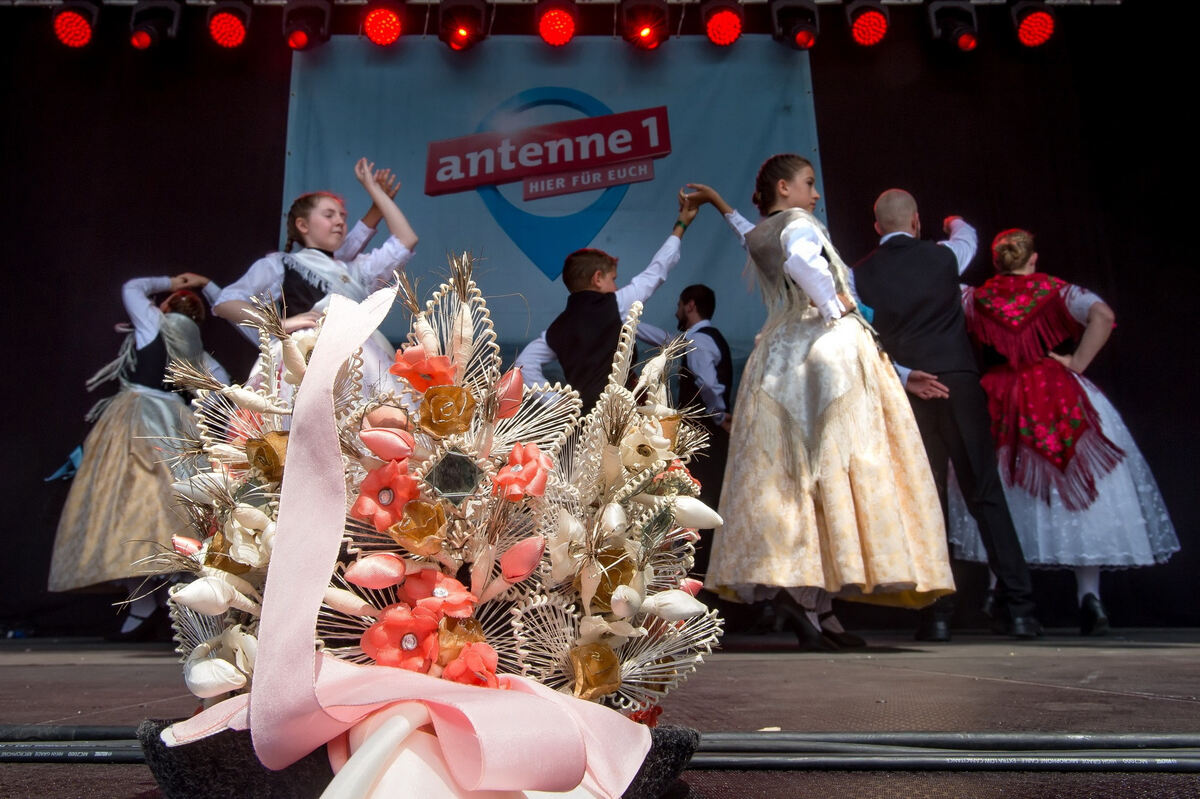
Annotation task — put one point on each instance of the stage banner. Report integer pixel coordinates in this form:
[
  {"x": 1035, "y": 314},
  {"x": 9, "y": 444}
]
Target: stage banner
[{"x": 522, "y": 153}]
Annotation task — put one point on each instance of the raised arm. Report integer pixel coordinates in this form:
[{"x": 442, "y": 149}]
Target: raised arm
[
  {"x": 963, "y": 241},
  {"x": 364, "y": 229},
  {"x": 646, "y": 282},
  {"x": 397, "y": 223},
  {"x": 739, "y": 224},
  {"x": 144, "y": 314}
]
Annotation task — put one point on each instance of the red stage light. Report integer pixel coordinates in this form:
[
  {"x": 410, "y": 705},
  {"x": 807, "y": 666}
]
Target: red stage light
[
  {"x": 954, "y": 22},
  {"x": 869, "y": 26},
  {"x": 306, "y": 23},
  {"x": 643, "y": 22},
  {"x": 73, "y": 26},
  {"x": 461, "y": 39},
  {"x": 795, "y": 22},
  {"x": 153, "y": 21},
  {"x": 556, "y": 27},
  {"x": 382, "y": 25},
  {"x": 722, "y": 22},
  {"x": 1035, "y": 23},
  {"x": 557, "y": 21},
  {"x": 227, "y": 28},
  {"x": 462, "y": 23}
]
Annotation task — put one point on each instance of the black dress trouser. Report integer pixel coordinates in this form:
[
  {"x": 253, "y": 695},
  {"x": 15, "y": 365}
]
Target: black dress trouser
[
  {"x": 958, "y": 430},
  {"x": 709, "y": 469}
]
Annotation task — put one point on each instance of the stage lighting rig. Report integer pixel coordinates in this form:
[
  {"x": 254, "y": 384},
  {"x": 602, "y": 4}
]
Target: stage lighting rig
[
  {"x": 868, "y": 20},
  {"x": 152, "y": 21},
  {"x": 644, "y": 23},
  {"x": 723, "y": 21},
  {"x": 557, "y": 21},
  {"x": 954, "y": 21},
  {"x": 383, "y": 21},
  {"x": 462, "y": 23},
  {"x": 74, "y": 22},
  {"x": 1034, "y": 22},
  {"x": 306, "y": 23},
  {"x": 794, "y": 22},
  {"x": 228, "y": 23}
]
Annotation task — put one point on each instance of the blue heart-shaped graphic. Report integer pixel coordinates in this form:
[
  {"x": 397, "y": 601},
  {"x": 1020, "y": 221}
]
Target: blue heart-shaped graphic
[{"x": 546, "y": 240}]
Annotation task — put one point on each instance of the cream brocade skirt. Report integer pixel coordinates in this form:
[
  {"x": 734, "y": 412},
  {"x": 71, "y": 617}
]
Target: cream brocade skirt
[
  {"x": 827, "y": 484},
  {"x": 120, "y": 503}
]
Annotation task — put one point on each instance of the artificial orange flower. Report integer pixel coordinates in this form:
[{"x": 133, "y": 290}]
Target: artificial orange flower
[
  {"x": 384, "y": 493},
  {"x": 420, "y": 371},
  {"x": 475, "y": 665},
  {"x": 510, "y": 391},
  {"x": 525, "y": 475},
  {"x": 439, "y": 594},
  {"x": 403, "y": 638}
]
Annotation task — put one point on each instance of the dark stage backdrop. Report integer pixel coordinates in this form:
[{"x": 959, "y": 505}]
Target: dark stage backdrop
[{"x": 118, "y": 164}]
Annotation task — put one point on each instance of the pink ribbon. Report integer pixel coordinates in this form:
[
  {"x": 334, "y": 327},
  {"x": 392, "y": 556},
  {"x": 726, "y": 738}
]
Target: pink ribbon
[{"x": 527, "y": 737}]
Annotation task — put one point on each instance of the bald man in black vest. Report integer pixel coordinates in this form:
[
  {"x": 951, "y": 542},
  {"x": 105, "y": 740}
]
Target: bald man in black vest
[{"x": 913, "y": 286}]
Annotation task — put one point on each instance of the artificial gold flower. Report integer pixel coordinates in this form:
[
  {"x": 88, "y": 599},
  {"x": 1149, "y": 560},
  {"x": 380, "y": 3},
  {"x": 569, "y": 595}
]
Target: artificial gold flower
[
  {"x": 447, "y": 410},
  {"x": 267, "y": 454},
  {"x": 421, "y": 528},
  {"x": 454, "y": 634},
  {"x": 616, "y": 568},
  {"x": 597, "y": 671}
]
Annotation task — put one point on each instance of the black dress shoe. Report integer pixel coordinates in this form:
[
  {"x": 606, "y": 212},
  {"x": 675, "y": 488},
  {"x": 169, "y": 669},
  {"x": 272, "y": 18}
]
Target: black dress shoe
[
  {"x": 1025, "y": 627},
  {"x": 990, "y": 604},
  {"x": 843, "y": 639},
  {"x": 155, "y": 627},
  {"x": 933, "y": 628},
  {"x": 1092, "y": 618},
  {"x": 796, "y": 620}
]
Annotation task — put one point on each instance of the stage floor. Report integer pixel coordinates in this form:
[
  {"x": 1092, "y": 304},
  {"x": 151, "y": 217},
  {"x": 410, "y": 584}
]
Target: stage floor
[{"x": 1134, "y": 681}]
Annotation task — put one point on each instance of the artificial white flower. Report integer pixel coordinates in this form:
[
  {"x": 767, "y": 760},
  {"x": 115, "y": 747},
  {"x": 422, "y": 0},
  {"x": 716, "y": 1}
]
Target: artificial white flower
[
  {"x": 626, "y": 601},
  {"x": 245, "y": 530},
  {"x": 615, "y": 633},
  {"x": 673, "y": 605},
  {"x": 212, "y": 597},
  {"x": 645, "y": 446}
]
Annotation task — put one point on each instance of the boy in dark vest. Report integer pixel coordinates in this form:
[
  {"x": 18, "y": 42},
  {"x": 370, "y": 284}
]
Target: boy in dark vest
[{"x": 583, "y": 339}]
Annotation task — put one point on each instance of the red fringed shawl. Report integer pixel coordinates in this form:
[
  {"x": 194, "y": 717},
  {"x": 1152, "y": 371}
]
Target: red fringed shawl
[{"x": 1047, "y": 432}]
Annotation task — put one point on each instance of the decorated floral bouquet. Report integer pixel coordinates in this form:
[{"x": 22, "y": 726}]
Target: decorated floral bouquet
[{"x": 488, "y": 534}]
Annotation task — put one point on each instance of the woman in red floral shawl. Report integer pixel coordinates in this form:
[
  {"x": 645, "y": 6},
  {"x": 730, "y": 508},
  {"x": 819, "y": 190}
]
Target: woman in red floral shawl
[{"x": 1080, "y": 492}]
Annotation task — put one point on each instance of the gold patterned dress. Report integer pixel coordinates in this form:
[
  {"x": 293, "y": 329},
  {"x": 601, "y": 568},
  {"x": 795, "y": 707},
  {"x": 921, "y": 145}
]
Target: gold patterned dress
[
  {"x": 827, "y": 484},
  {"x": 119, "y": 508}
]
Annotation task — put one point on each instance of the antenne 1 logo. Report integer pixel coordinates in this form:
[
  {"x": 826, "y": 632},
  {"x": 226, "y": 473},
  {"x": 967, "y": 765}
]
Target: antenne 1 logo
[{"x": 601, "y": 150}]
